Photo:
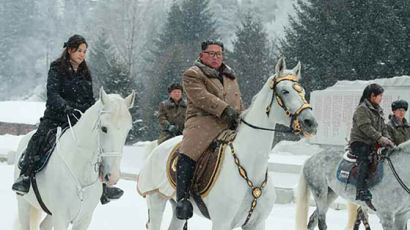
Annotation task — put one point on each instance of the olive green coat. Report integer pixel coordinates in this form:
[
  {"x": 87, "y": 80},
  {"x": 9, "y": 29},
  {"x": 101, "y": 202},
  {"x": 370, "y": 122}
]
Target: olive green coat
[
  {"x": 398, "y": 132},
  {"x": 368, "y": 124},
  {"x": 207, "y": 98},
  {"x": 171, "y": 113}
]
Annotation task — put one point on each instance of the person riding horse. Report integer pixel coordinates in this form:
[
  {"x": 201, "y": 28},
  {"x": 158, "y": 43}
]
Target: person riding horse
[
  {"x": 398, "y": 128},
  {"x": 69, "y": 88},
  {"x": 213, "y": 105},
  {"x": 367, "y": 131},
  {"x": 171, "y": 117}
]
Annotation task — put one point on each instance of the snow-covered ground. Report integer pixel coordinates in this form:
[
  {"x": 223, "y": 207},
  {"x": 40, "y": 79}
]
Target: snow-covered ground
[
  {"x": 130, "y": 211},
  {"x": 22, "y": 112}
]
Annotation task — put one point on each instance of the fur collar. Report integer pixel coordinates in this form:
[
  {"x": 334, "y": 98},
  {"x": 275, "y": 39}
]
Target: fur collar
[{"x": 210, "y": 72}]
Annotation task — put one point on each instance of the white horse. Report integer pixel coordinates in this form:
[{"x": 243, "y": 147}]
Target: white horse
[
  {"x": 230, "y": 199},
  {"x": 85, "y": 155}
]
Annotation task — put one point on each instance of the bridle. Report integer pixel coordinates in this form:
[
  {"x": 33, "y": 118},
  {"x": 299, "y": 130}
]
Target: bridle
[
  {"x": 296, "y": 124},
  {"x": 100, "y": 151}
]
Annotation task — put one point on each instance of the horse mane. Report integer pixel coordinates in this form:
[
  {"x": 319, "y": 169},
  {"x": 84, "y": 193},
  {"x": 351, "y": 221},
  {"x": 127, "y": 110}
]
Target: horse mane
[
  {"x": 243, "y": 114},
  {"x": 404, "y": 147}
]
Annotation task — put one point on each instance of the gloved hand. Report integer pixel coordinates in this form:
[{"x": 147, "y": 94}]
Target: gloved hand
[
  {"x": 230, "y": 116},
  {"x": 385, "y": 142},
  {"x": 172, "y": 129},
  {"x": 69, "y": 110}
]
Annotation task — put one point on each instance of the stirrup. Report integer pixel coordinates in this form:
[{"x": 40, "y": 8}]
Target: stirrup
[{"x": 184, "y": 209}]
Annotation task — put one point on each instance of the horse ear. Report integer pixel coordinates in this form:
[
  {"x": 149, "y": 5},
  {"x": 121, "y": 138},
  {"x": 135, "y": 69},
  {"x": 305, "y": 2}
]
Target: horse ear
[
  {"x": 280, "y": 66},
  {"x": 129, "y": 100},
  {"x": 103, "y": 95},
  {"x": 297, "y": 70}
]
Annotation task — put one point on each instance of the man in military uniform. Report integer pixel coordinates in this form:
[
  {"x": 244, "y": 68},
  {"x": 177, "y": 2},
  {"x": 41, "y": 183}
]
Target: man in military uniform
[
  {"x": 398, "y": 128},
  {"x": 171, "y": 117}
]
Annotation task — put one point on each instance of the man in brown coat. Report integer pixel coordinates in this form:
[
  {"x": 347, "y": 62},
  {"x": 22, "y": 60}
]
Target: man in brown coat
[
  {"x": 398, "y": 127},
  {"x": 213, "y": 105},
  {"x": 171, "y": 117}
]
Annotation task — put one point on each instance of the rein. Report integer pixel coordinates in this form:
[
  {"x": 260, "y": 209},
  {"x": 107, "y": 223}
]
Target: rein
[
  {"x": 266, "y": 129},
  {"x": 396, "y": 175}
]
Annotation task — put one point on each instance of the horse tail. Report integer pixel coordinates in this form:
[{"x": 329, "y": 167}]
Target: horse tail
[
  {"x": 302, "y": 203},
  {"x": 35, "y": 219},
  {"x": 352, "y": 214}
]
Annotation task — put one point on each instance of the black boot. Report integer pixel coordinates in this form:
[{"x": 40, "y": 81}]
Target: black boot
[
  {"x": 362, "y": 193},
  {"x": 22, "y": 185},
  {"x": 185, "y": 172},
  {"x": 110, "y": 193}
]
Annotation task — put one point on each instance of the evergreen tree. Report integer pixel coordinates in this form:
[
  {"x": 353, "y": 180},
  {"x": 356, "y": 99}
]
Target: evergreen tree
[
  {"x": 251, "y": 58},
  {"x": 111, "y": 72},
  {"x": 349, "y": 39},
  {"x": 176, "y": 48}
]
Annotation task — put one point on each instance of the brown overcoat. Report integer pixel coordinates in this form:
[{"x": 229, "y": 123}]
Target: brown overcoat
[
  {"x": 171, "y": 113},
  {"x": 207, "y": 98}
]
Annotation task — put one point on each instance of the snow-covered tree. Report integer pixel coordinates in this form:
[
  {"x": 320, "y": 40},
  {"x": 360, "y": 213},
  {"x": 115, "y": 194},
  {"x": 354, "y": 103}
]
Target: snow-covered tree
[
  {"x": 350, "y": 39},
  {"x": 173, "y": 51},
  {"x": 251, "y": 56}
]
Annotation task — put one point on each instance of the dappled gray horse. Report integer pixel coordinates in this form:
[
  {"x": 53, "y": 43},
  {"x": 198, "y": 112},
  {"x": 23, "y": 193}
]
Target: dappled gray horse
[{"x": 389, "y": 197}]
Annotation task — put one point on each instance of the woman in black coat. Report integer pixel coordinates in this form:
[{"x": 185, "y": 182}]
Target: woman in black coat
[{"x": 69, "y": 88}]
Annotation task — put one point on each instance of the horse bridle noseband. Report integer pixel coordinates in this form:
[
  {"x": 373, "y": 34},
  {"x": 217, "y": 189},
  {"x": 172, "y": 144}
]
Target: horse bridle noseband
[{"x": 297, "y": 127}]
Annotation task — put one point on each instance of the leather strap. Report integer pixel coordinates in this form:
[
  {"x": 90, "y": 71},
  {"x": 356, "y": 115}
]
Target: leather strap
[{"x": 38, "y": 196}]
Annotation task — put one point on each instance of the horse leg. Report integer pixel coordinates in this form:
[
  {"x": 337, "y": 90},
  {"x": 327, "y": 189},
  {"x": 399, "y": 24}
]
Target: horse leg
[
  {"x": 23, "y": 214},
  {"x": 386, "y": 219},
  {"x": 59, "y": 222},
  {"x": 83, "y": 223},
  {"x": 47, "y": 223},
  {"x": 156, "y": 205},
  {"x": 400, "y": 221},
  {"x": 323, "y": 197},
  {"x": 176, "y": 224},
  {"x": 313, "y": 220}
]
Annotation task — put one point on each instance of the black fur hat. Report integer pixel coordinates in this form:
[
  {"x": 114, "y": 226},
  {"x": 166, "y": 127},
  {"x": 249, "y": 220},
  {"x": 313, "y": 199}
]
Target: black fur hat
[
  {"x": 173, "y": 86},
  {"x": 399, "y": 104}
]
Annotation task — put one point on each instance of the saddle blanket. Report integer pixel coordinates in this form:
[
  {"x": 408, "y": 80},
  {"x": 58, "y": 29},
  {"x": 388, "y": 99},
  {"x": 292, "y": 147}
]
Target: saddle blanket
[
  {"x": 159, "y": 173},
  {"x": 347, "y": 172}
]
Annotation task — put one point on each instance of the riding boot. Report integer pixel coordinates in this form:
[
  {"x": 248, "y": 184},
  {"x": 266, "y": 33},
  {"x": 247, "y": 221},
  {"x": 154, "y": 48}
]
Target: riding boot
[
  {"x": 362, "y": 193},
  {"x": 110, "y": 193},
  {"x": 185, "y": 173},
  {"x": 22, "y": 185}
]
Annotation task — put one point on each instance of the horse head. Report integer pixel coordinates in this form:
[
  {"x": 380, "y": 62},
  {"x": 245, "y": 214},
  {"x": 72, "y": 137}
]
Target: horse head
[
  {"x": 113, "y": 126},
  {"x": 290, "y": 95}
]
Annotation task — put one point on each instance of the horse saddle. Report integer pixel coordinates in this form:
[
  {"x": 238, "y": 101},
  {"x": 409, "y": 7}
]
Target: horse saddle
[
  {"x": 206, "y": 171},
  {"x": 347, "y": 171},
  {"x": 46, "y": 148}
]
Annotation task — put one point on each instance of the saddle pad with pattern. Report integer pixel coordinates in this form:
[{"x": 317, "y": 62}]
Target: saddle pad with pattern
[
  {"x": 206, "y": 170},
  {"x": 347, "y": 173},
  {"x": 207, "y": 167}
]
